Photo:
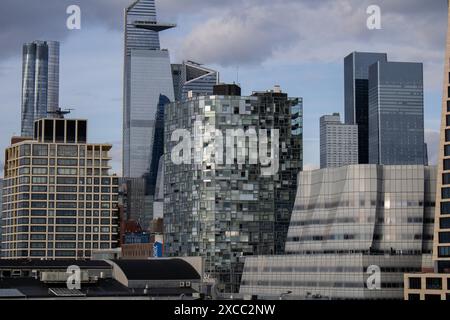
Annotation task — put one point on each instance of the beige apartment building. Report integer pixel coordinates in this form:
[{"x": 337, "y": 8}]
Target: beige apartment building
[
  {"x": 436, "y": 285},
  {"x": 59, "y": 199}
]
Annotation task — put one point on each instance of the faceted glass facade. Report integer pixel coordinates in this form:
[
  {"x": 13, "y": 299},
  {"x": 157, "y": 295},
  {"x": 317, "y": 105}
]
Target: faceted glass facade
[
  {"x": 224, "y": 212},
  {"x": 59, "y": 200},
  {"x": 396, "y": 114},
  {"x": 344, "y": 221},
  {"x": 40, "y": 83}
]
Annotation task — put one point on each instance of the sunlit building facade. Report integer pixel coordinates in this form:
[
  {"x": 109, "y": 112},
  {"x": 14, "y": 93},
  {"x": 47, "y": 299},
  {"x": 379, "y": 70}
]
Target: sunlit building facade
[{"x": 59, "y": 199}]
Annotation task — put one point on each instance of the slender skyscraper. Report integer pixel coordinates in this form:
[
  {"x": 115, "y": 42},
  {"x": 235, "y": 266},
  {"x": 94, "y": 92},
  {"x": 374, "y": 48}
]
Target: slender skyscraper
[
  {"x": 357, "y": 96},
  {"x": 147, "y": 78},
  {"x": 40, "y": 82}
]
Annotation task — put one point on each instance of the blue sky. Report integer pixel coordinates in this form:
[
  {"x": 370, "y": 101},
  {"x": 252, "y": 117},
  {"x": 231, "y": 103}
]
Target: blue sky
[{"x": 297, "y": 44}]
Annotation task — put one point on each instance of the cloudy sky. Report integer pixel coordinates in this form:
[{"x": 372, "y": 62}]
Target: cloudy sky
[{"x": 298, "y": 44}]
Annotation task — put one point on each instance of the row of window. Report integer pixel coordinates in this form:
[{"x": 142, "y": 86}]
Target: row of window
[{"x": 315, "y": 284}]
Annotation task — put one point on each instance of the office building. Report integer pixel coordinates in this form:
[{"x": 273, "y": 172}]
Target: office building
[
  {"x": 40, "y": 83},
  {"x": 338, "y": 142},
  {"x": 224, "y": 210},
  {"x": 435, "y": 284},
  {"x": 396, "y": 114},
  {"x": 191, "y": 78},
  {"x": 356, "y": 69},
  {"x": 348, "y": 223},
  {"x": 148, "y": 84},
  {"x": 59, "y": 199}
]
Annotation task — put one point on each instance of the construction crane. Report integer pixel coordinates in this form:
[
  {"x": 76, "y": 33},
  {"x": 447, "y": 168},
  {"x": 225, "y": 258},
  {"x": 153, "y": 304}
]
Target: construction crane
[{"x": 60, "y": 113}]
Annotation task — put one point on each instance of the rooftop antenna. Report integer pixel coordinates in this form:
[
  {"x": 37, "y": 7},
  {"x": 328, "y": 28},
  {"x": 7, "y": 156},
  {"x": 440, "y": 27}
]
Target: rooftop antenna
[
  {"x": 60, "y": 113},
  {"x": 237, "y": 75}
]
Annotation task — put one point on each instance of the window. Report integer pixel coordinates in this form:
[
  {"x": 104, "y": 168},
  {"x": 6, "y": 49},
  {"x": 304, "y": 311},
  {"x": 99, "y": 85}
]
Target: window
[
  {"x": 68, "y": 162},
  {"x": 446, "y": 178},
  {"x": 415, "y": 283},
  {"x": 445, "y": 193},
  {"x": 445, "y": 208},
  {"x": 40, "y": 150},
  {"x": 39, "y": 180},
  {"x": 447, "y": 150},
  {"x": 444, "y": 252},
  {"x": 447, "y": 135},
  {"x": 25, "y": 150},
  {"x": 434, "y": 283},
  {"x": 67, "y": 151},
  {"x": 39, "y": 171},
  {"x": 67, "y": 171},
  {"x": 447, "y": 164},
  {"x": 61, "y": 180},
  {"x": 444, "y": 223},
  {"x": 40, "y": 161},
  {"x": 432, "y": 297},
  {"x": 444, "y": 237}
]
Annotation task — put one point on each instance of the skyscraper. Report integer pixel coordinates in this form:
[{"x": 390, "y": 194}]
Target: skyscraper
[
  {"x": 40, "y": 82},
  {"x": 338, "y": 142},
  {"x": 225, "y": 211},
  {"x": 193, "y": 77},
  {"x": 396, "y": 114},
  {"x": 60, "y": 201},
  {"x": 429, "y": 285},
  {"x": 147, "y": 77},
  {"x": 357, "y": 96}
]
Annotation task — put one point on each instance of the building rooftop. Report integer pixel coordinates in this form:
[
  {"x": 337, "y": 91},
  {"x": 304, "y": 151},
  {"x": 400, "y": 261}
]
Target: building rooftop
[{"x": 157, "y": 269}]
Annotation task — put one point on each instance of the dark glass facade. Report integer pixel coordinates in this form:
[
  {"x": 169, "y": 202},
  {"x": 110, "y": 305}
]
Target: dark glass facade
[{"x": 356, "y": 69}]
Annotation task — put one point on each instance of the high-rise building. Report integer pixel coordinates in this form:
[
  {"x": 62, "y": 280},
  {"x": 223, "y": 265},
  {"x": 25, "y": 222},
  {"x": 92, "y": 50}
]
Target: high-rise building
[
  {"x": 147, "y": 82},
  {"x": 222, "y": 209},
  {"x": 396, "y": 114},
  {"x": 59, "y": 199},
  {"x": 40, "y": 83},
  {"x": 429, "y": 285},
  {"x": 193, "y": 78},
  {"x": 1, "y": 210},
  {"x": 338, "y": 142},
  {"x": 348, "y": 224},
  {"x": 357, "y": 96}
]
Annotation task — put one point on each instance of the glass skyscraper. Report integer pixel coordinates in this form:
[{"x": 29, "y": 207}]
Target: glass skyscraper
[
  {"x": 40, "y": 82},
  {"x": 193, "y": 77},
  {"x": 147, "y": 77},
  {"x": 357, "y": 96},
  {"x": 396, "y": 114},
  {"x": 224, "y": 212}
]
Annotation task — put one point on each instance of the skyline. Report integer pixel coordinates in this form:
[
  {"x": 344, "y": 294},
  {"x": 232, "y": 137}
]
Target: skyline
[{"x": 316, "y": 76}]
